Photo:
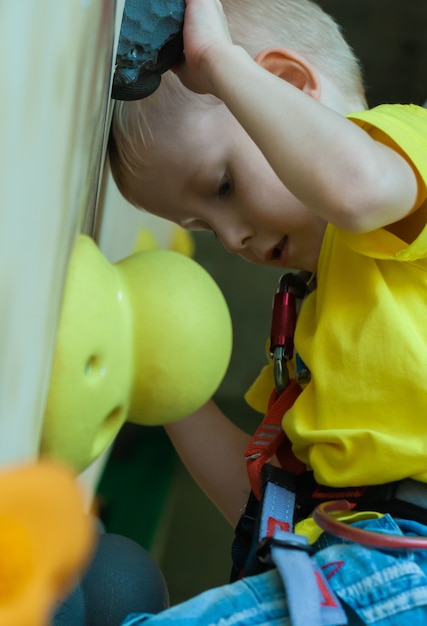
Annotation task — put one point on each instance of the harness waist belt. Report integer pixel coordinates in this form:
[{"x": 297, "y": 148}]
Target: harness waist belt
[
  {"x": 413, "y": 492},
  {"x": 406, "y": 498}
]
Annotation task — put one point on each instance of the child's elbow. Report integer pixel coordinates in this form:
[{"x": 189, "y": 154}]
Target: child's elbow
[
  {"x": 358, "y": 213},
  {"x": 375, "y": 198}
]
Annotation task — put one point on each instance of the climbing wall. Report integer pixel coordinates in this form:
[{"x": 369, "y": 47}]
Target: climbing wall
[{"x": 56, "y": 76}]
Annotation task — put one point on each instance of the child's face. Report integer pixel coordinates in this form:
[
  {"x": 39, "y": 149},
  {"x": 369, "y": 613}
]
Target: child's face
[{"x": 214, "y": 178}]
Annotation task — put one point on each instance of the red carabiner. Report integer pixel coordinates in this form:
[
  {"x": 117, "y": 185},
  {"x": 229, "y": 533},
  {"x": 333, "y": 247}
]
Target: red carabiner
[{"x": 283, "y": 324}]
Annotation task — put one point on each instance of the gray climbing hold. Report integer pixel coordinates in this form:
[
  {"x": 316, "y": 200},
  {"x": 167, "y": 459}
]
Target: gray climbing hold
[{"x": 150, "y": 43}]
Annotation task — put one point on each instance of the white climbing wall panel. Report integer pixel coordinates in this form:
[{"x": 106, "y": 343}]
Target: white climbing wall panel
[{"x": 57, "y": 60}]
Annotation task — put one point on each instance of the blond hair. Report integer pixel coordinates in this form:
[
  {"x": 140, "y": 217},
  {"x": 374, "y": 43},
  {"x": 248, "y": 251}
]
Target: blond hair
[
  {"x": 255, "y": 25},
  {"x": 139, "y": 124}
]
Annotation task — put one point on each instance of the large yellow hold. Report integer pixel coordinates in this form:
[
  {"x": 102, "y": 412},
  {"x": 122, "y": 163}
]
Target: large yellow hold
[{"x": 146, "y": 340}]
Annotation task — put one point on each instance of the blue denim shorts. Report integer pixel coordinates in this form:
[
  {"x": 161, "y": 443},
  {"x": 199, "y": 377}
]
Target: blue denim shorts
[{"x": 380, "y": 587}]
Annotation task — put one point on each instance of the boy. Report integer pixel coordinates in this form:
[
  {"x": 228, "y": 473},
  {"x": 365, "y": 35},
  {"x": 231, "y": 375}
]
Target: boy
[{"x": 270, "y": 146}]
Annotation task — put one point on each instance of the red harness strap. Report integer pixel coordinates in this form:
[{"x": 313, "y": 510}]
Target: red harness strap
[{"x": 270, "y": 439}]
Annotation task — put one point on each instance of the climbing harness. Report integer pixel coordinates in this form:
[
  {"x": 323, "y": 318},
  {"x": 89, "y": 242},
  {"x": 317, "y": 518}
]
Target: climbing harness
[
  {"x": 285, "y": 495},
  {"x": 364, "y": 537}
]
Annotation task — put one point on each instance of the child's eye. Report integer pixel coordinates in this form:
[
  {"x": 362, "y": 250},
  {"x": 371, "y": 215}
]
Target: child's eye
[{"x": 225, "y": 186}]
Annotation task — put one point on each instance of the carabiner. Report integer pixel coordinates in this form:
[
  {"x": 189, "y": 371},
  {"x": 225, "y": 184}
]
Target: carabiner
[{"x": 283, "y": 323}]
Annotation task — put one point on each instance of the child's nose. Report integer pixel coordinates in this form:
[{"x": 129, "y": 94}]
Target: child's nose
[
  {"x": 235, "y": 233},
  {"x": 236, "y": 241}
]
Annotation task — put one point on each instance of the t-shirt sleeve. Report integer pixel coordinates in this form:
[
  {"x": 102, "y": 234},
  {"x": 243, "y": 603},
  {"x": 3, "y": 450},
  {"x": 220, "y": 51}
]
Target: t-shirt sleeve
[{"x": 403, "y": 128}]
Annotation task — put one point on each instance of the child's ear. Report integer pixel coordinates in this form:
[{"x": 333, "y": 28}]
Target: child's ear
[{"x": 292, "y": 67}]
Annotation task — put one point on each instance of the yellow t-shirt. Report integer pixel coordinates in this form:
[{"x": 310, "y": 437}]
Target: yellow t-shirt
[{"x": 363, "y": 334}]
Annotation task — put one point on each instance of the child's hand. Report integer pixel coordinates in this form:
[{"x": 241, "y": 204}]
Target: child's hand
[{"x": 205, "y": 33}]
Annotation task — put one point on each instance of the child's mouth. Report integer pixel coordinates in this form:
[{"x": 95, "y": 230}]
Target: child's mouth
[{"x": 276, "y": 253}]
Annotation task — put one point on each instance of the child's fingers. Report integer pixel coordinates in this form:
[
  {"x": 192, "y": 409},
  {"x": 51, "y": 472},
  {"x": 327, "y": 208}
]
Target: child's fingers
[{"x": 205, "y": 28}]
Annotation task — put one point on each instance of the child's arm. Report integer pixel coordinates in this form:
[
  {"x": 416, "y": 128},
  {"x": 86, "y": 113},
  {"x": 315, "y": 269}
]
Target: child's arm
[
  {"x": 325, "y": 160},
  {"x": 213, "y": 450}
]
